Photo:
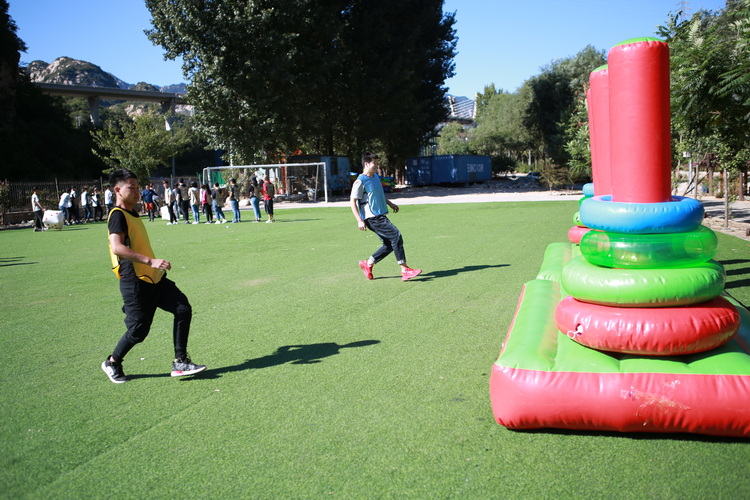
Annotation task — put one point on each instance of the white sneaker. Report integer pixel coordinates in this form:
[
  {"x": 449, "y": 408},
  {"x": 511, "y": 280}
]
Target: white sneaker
[
  {"x": 269, "y": 221},
  {"x": 196, "y": 222}
]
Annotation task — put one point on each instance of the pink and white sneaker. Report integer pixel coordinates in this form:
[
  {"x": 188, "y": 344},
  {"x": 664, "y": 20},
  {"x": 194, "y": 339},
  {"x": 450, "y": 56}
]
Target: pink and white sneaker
[
  {"x": 366, "y": 269},
  {"x": 410, "y": 273}
]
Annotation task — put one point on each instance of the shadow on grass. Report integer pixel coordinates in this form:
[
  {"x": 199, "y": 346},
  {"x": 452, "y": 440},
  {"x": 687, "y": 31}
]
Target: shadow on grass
[
  {"x": 14, "y": 261},
  {"x": 428, "y": 276},
  {"x": 303, "y": 354},
  {"x": 732, "y": 261},
  {"x": 293, "y": 220},
  {"x": 738, "y": 272},
  {"x": 638, "y": 436},
  {"x": 738, "y": 283}
]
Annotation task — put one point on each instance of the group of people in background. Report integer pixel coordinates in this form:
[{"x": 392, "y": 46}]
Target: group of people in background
[
  {"x": 181, "y": 201},
  {"x": 186, "y": 202},
  {"x": 88, "y": 207}
]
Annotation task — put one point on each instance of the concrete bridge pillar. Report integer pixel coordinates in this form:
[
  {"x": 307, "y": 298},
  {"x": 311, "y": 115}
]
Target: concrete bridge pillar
[{"x": 94, "y": 110}]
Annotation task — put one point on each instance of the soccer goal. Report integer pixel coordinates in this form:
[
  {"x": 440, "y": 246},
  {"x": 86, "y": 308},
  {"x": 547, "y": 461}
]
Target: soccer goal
[{"x": 293, "y": 180}]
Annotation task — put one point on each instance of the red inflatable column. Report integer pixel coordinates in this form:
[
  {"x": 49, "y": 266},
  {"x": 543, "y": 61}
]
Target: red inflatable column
[
  {"x": 639, "y": 121},
  {"x": 597, "y": 98}
]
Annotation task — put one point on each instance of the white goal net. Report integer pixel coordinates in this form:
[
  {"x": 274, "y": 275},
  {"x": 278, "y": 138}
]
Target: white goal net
[{"x": 293, "y": 181}]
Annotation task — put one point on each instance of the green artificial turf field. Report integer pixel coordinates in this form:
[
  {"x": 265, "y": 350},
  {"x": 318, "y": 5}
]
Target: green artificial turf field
[{"x": 320, "y": 383}]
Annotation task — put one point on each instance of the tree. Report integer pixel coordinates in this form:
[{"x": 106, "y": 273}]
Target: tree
[
  {"x": 552, "y": 100},
  {"x": 37, "y": 138},
  {"x": 140, "y": 145},
  {"x": 578, "y": 142},
  {"x": 500, "y": 131},
  {"x": 10, "y": 48},
  {"x": 327, "y": 76},
  {"x": 710, "y": 98},
  {"x": 453, "y": 140}
]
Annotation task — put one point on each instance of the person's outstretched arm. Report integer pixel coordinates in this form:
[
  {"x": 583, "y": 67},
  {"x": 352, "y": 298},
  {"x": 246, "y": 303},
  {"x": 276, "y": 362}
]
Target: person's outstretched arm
[{"x": 355, "y": 210}]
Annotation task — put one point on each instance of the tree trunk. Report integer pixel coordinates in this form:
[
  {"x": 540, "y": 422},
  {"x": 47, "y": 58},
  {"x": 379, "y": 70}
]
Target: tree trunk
[
  {"x": 743, "y": 182},
  {"x": 725, "y": 175},
  {"x": 710, "y": 177}
]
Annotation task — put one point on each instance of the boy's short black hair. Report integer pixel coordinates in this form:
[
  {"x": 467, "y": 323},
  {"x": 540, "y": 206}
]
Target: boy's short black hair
[
  {"x": 368, "y": 157},
  {"x": 121, "y": 175},
  {"x": 232, "y": 180}
]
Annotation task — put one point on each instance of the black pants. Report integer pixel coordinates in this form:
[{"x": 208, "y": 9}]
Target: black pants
[
  {"x": 140, "y": 300},
  {"x": 269, "y": 207},
  {"x": 185, "y": 208},
  {"x": 391, "y": 237},
  {"x": 172, "y": 216},
  {"x": 97, "y": 213},
  {"x": 38, "y": 216}
]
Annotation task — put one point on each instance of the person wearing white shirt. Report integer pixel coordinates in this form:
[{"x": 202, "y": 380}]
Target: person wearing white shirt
[
  {"x": 96, "y": 203},
  {"x": 64, "y": 206},
  {"x": 38, "y": 210},
  {"x": 108, "y": 200},
  {"x": 86, "y": 204}
]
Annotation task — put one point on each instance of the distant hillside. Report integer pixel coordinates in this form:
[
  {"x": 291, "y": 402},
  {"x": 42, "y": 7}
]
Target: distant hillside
[{"x": 69, "y": 71}]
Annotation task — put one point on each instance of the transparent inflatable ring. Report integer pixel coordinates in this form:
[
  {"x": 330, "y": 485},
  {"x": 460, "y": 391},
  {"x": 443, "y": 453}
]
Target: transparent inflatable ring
[{"x": 679, "y": 215}]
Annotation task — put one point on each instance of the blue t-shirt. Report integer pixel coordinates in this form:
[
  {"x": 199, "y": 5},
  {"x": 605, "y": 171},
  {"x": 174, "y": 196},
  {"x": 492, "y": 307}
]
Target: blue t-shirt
[
  {"x": 147, "y": 195},
  {"x": 369, "y": 192}
]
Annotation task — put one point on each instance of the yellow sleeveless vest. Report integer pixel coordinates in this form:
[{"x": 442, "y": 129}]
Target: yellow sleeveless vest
[{"x": 137, "y": 240}]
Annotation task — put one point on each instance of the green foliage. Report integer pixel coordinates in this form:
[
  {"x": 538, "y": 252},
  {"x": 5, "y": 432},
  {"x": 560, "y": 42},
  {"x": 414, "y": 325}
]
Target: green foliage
[
  {"x": 453, "y": 140},
  {"x": 4, "y": 198},
  {"x": 37, "y": 138},
  {"x": 578, "y": 142},
  {"x": 552, "y": 100},
  {"x": 710, "y": 83},
  {"x": 140, "y": 145},
  {"x": 500, "y": 130},
  {"x": 329, "y": 77}
]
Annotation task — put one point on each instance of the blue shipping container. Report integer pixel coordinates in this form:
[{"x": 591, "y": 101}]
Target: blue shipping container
[
  {"x": 460, "y": 169},
  {"x": 337, "y": 168},
  {"x": 419, "y": 171}
]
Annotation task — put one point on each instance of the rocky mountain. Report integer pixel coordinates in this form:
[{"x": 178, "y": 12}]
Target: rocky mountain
[{"x": 69, "y": 71}]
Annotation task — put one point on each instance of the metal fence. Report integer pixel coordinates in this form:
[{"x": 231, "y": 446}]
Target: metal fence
[{"x": 49, "y": 192}]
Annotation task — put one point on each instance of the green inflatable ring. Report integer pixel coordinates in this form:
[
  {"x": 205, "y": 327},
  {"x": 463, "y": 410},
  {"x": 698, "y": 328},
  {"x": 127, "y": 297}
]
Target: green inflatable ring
[
  {"x": 577, "y": 219},
  {"x": 642, "y": 287},
  {"x": 649, "y": 251}
]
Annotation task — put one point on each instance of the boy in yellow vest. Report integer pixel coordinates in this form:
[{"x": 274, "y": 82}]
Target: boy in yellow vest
[{"x": 143, "y": 283}]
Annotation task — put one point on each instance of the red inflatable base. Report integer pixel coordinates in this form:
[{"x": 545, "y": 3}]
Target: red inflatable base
[{"x": 622, "y": 402}]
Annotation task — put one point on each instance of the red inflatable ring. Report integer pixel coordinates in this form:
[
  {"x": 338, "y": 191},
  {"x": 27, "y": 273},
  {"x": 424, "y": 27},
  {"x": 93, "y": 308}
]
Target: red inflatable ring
[
  {"x": 575, "y": 233},
  {"x": 663, "y": 331}
]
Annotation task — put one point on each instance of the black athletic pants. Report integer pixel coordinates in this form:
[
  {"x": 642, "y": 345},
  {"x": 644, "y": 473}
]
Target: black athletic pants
[
  {"x": 185, "y": 208},
  {"x": 391, "y": 237},
  {"x": 38, "y": 217},
  {"x": 172, "y": 216},
  {"x": 140, "y": 300}
]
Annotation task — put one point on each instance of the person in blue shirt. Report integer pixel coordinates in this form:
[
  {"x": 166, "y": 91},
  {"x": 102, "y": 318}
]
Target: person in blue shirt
[
  {"x": 147, "y": 195},
  {"x": 370, "y": 206}
]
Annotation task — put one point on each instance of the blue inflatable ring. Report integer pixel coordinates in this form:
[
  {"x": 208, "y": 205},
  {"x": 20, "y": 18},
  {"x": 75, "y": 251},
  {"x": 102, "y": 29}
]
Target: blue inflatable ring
[
  {"x": 588, "y": 189},
  {"x": 676, "y": 216}
]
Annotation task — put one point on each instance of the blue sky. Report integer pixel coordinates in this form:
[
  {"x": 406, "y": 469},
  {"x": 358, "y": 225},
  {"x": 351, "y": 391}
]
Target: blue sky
[{"x": 499, "y": 41}]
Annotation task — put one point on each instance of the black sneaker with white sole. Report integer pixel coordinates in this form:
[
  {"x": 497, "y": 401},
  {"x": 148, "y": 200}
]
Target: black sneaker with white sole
[
  {"x": 114, "y": 371},
  {"x": 183, "y": 367}
]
